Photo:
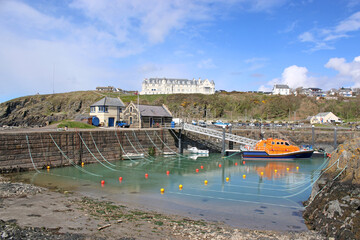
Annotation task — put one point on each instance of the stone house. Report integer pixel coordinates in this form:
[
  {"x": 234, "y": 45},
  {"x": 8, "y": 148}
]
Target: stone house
[
  {"x": 147, "y": 116},
  {"x": 109, "y": 110},
  {"x": 324, "y": 117}
]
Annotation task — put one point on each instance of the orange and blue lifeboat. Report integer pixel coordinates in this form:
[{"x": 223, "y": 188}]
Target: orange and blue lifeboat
[{"x": 275, "y": 149}]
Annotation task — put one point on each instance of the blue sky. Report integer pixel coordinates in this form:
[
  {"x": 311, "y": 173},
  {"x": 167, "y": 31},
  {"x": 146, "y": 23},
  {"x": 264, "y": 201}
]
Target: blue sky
[{"x": 242, "y": 45}]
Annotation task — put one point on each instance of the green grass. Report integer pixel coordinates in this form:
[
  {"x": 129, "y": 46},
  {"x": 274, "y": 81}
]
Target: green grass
[{"x": 73, "y": 124}]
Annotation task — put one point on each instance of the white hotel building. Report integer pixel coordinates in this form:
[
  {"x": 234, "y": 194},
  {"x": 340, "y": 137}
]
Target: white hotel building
[{"x": 172, "y": 85}]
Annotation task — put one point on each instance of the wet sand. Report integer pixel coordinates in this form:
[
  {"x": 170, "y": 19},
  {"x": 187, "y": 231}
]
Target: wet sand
[{"x": 71, "y": 212}]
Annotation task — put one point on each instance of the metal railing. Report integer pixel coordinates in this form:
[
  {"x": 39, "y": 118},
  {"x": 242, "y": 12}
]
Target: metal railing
[{"x": 219, "y": 134}]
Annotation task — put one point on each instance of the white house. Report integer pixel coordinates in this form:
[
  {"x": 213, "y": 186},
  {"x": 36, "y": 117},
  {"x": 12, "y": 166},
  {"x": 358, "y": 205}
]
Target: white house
[
  {"x": 281, "y": 89},
  {"x": 109, "y": 110},
  {"x": 324, "y": 117},
  {"x": 171, "y": 86}
]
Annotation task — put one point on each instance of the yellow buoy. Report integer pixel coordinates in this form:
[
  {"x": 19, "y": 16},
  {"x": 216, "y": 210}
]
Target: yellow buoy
[
  {"x": 262, "y": 173},
  {"x": 82, "y": 164},
  {"x": 287, "y": 169},
  {"x": 162, "y": 190},
  {"x": 48, "y": 167},
  {"x": 275, "y": 170},
  {"x": 297, "y": 168},
  {"x": 244, "y": 176},
  {"x": 227, "y": 179},
  {"x": 206, "y": 182},
  {"x": 180, "y": 187}
]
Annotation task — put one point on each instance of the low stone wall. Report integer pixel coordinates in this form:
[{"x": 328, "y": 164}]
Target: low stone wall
[{"x": 56, "y": 149}]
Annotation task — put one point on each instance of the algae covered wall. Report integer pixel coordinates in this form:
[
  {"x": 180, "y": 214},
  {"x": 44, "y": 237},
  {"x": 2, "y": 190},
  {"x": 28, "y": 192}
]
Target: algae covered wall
[{"x": 56, "y": 149}]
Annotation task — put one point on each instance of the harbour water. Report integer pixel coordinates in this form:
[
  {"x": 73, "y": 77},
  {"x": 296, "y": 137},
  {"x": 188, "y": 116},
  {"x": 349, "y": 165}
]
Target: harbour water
[{"x": 246, "y": 194}]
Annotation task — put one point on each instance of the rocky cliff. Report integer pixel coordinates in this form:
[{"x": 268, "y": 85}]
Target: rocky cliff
[
  {"x": 40, "y": 109},
  {"x": 333, "y": 208}
]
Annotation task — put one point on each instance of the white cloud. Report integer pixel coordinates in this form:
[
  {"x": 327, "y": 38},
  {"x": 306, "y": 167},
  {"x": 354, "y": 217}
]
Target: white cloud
[
  {"x": 206, "y": 64},
  {"x": 325, "y": 38},
  {"x": 90, "y": 41},
  {"x": 347, "y": 71},
  {"x": 294, "y": 76},
  {"x": 255, "y": 63}
]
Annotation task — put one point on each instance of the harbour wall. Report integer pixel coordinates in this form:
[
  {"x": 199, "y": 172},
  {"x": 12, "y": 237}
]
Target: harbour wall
[{"x": 22, "y": 151}]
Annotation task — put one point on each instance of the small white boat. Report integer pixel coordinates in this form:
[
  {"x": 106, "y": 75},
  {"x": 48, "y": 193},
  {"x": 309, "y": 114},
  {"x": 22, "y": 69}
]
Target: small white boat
[
  {"x": 196, "y": 156},
  {"x": 195, "y": 150},
  {"x": 169, "y": 153},
  {"x": 133, "y": 156}
]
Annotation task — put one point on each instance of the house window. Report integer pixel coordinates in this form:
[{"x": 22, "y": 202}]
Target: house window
[
  {"x": 92, "y": 109},
  {"x": 131, "y": 109},
  {"x": 131, "y": 120},
  {"x": 120, "y": 109},
  {"x": 103, "y": 109}
]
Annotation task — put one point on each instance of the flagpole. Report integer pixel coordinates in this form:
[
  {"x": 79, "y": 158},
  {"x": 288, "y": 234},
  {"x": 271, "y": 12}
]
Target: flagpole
[{"x": 138, "y": 95}]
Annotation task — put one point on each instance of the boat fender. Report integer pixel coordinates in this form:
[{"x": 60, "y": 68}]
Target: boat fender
[{"x": 328, "y": 155}]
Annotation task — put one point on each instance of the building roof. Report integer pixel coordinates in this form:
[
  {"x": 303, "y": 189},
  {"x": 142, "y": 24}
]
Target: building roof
[
  {"x": 323, "y": 114},
  {"x": 284, "y": 86},
  {"x": 109, "y": 101},
  {"x": 154, "y": 111}
]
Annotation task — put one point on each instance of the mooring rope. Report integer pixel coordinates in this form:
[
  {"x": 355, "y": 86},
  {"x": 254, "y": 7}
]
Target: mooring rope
[
  {"x": 127, "y": 137},
  {"x": 143, "y": 149},
  {"x": 166, "y": 145},
  {"x": 236, "y": 200},
  {"x": 313, "y": 182},
  {"x": 100, "y": 152},
  {"x": 71, "y": 162},
  {"x": 153, "y": 142},
  {"x": 112, "y": 169},
  {"x": 117, "y": 137},
  {"x": 28, "y": 144},
  {"x": 313, "y": 198}
]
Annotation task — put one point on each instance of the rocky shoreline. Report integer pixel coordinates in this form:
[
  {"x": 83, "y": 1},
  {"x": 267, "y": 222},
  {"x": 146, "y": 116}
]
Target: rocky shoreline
[
  {"x": 333, "y": 208},
  {"x": 64, "y": 215}
]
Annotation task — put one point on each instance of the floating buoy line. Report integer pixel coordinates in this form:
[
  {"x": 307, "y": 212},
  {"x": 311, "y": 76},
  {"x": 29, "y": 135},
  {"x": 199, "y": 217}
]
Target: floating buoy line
[{"x": 170, "y": 163}]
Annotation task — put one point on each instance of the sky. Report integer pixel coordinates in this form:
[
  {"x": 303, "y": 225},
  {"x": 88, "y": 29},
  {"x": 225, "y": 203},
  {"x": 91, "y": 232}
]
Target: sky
[{"x": 51, "y": 46}]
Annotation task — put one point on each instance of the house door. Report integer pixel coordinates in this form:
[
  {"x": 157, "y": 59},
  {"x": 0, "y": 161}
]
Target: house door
[
  {"x": 111, "y": 121},
  {"x": 151, "y": 122}
]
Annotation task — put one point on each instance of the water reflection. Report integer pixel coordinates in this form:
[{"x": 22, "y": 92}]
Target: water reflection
[{"x": 234, "y": 187}]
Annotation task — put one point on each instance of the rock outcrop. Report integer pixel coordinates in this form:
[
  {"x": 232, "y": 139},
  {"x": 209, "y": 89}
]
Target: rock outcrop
[
  {"x": 333, "y": 208},
  {"x": 39, "y": 110}
]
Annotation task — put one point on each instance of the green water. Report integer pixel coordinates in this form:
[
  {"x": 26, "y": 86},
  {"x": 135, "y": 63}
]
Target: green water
[{"x": 251, "y": 194}]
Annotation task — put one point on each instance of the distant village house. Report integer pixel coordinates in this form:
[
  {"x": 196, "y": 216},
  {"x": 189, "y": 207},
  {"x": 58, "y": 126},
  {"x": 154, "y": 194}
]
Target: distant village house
[
  {"x": 324, "y": 117},
  {"x": 109, "y": 110},
  {"x": 147, "y": 116},
  {"x": 281, "y": 89}
]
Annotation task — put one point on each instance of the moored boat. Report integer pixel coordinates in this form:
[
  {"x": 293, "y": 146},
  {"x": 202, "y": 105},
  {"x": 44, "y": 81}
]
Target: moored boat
[
  {"x": 195, "y": 150},
  {"x": 131, "y": 156},
  {"x": 275, "y": 149}
]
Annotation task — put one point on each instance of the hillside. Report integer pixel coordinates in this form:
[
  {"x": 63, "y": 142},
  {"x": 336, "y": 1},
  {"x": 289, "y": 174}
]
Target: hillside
[{"x": 40, "y": 109}]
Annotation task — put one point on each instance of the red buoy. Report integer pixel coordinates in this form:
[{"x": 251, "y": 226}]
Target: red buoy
[
  {"x": 202, "y": 167},
  {"x": 102, "y": 182},
  {"x": 167, "y": 172},
  {"x": 197, "y": 170},
  {"x": 236, "y": 164},
  {"x": 146, "y": 175},
  {"x": 219, "y": 165},
  {"x": 120, "y": 179}
]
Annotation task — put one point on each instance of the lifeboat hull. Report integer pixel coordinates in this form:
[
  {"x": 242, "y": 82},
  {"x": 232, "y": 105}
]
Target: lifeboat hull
[{"x": 256, "y": 154}]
